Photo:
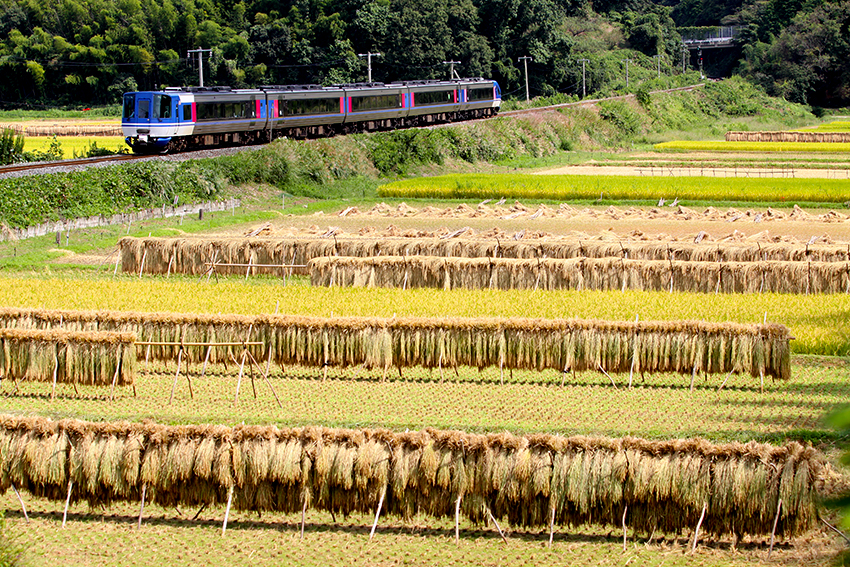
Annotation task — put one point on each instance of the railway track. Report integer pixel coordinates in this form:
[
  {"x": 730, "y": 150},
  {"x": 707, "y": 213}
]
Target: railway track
[
  {"x": 19, "y": 167},
  {"x": 129, "y": 157}
]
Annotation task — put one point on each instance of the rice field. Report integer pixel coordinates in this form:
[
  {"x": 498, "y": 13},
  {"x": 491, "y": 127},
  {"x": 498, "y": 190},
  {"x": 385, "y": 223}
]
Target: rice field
[
  {"x": 778, "y": 147},
  {"x": 836, "y": 126},
  {"x": 632, "y": 188},
  {"x": 72, "y": 145},
  {"x": 819, "y": 323},
  {"x": 658, "y": 406}
]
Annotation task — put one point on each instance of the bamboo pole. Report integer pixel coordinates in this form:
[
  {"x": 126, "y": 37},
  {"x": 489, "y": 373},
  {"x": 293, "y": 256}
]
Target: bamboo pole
[
  {"x": 239, "y": 380},
  {"x": 699, "y": 524},
  {"x": 775, "y": 523},
  {"x": 115, "y": 377},
  {"x": 303, "y": 517},
  {"x": 498, "y": 527},
  {"x": 142, "y": 507},
  {"x": 608, "y": 375},
  {"x": 457, "y": 520},
  {"x": 266, "y": 378},
  {"x": 24, "y": 507},
  {"x": 67, "y": 502},
  {"x": 142, "y": 265},
  {"x": 55, "y": 372},
  {"x": 626, "y": 509},
  {"x": 176, "y": 375},
  {"x": 206, "y": 361},
  {"x": 227, "y": 510},
  {"x": 552, "y": 528},
  {"x": 378, "y": 513}
]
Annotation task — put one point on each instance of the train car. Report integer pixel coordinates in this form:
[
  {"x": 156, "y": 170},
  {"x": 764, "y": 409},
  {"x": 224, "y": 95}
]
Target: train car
[{"x": 184, "y": 118}]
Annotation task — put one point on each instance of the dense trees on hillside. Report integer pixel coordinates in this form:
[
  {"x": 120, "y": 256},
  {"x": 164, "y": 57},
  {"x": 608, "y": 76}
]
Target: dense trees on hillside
[{"x": 90, "y": 51}]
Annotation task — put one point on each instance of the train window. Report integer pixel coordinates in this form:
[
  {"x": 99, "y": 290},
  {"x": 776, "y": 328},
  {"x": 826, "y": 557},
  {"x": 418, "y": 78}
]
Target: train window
[
  {"x": 379, "y": 102},
  {"x": 129, "y": 106},
  {"x": 187, "y": 112},
  {"x": 481, "y": 94},
  {"x": 437, "y": 97},
  {"x": 302, "y": 106},
  {"x": 162, "y": 106},
  {"x": 144, "y": 109}
]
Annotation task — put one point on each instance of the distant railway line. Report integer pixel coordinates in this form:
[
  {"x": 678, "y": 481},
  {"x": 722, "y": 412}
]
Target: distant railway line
[{"x": 62, "y": 165}]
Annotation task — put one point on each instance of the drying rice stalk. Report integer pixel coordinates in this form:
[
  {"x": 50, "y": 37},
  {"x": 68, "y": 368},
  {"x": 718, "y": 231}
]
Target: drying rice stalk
[
  {"x": 683, "y": 347},
  {"x": 524, "y": 480},
  {"x": 72, "y": 357},
  {"x": 190, "y": 255},
  {"x": 582, "y": 274}
]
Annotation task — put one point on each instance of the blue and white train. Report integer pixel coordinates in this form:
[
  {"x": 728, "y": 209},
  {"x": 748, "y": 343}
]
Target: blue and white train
[{"x": 187, "y": 118}]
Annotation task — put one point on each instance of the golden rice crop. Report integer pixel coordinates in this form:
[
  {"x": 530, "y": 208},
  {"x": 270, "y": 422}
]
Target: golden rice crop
[
  {"x": 583, "y": 480},
  {"x": 520, "y": 343}
]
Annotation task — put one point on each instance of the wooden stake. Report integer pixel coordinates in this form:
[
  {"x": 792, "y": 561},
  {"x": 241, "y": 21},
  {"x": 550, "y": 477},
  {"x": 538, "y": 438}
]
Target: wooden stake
[
  {"x": 699, "y": 524},
  {"x": 176, "y": 374},
  {"x": 775, "y": 523},
  {"x": 552, "y": 528},
  {"x": 67, "y": 502},
  {"x": 142, "y": 265},
  {"x": 189, "y": 380},
  {"x": 27, "y": 518},
  {"x": 495, "y": 523},
  {"x": 378, "y": 513},
  {"x": 693, "y": 376},
  {"x": 626, "y": 509},
  {"x": 761, "y": 375},
  {"x": 239, "y": 380},
  {"x": 117, "y": 260},
  {"x": 457, "y": 520},
  {"x": 266, "y": 378},
  {"x": 142, "y": 507},
  {"x": 55, "y": 372},
  {"x": 726, "y": 380},
  {"x": 303, "y": 517},
  {"x": 206, "y": 361},
  {"x": 608, "y": 375},
  {"x": 114, "y": 380},
  {"x": 227, "y": 510},
  {"x": 198, "y": 513}
]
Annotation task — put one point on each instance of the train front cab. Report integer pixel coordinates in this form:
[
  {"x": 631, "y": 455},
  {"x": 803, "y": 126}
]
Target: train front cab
[
  {"x": 480, "y": 98},
  {"x": 150, "y": 120}
]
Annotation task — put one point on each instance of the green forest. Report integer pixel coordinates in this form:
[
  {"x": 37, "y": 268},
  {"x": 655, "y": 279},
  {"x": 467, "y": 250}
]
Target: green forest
[{"x": 87, "y": 52}]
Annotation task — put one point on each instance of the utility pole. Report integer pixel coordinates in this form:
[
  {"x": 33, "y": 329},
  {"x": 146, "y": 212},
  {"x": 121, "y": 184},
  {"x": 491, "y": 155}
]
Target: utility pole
[
  {"x": 583, "y": 77},
  {"x": 657, "y": 64},
  {"x": 368, "y": 57},
  {"x": 525, "y": 61},
  {"x": 627, "y": 61},
  {"x": 200, "y": 53},
  {"x": 684, "y": 51},
  {"x": 451, "y": 64}
]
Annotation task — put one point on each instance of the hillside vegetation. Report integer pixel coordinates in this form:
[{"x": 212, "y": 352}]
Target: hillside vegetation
[{"x": 82, "y": 52}]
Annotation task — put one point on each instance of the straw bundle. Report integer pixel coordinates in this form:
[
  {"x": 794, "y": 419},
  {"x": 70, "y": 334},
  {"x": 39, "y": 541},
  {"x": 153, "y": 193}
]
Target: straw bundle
[
  {"x": 583, "y": 273},
  {"x": 665, "y": 484},
  {"x": 527, "y": 344},
  {"x": 832, "y": 137},
  {"x": 190, "y": 255},
  {"x": 79, "y": 357}
]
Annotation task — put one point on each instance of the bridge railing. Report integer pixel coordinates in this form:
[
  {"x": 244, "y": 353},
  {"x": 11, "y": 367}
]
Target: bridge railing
[{"x": 715, "y": 33}]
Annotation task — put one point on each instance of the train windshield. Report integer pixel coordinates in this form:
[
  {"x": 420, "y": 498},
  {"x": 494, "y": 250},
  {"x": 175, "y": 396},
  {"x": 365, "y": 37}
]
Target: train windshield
[
  {"x": 162, "y": 106},
  {"x": 129, "y": 106}
]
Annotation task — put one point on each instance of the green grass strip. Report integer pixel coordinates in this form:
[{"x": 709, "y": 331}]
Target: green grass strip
[{"x": 584, "y": 187}]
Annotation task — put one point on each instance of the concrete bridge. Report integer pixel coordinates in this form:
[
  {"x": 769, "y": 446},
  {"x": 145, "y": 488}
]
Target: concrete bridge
[{"x": 711, "y": 38}]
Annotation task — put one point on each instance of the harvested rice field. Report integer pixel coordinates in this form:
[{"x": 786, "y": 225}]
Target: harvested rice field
[{"x": 514, "y": 408}]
